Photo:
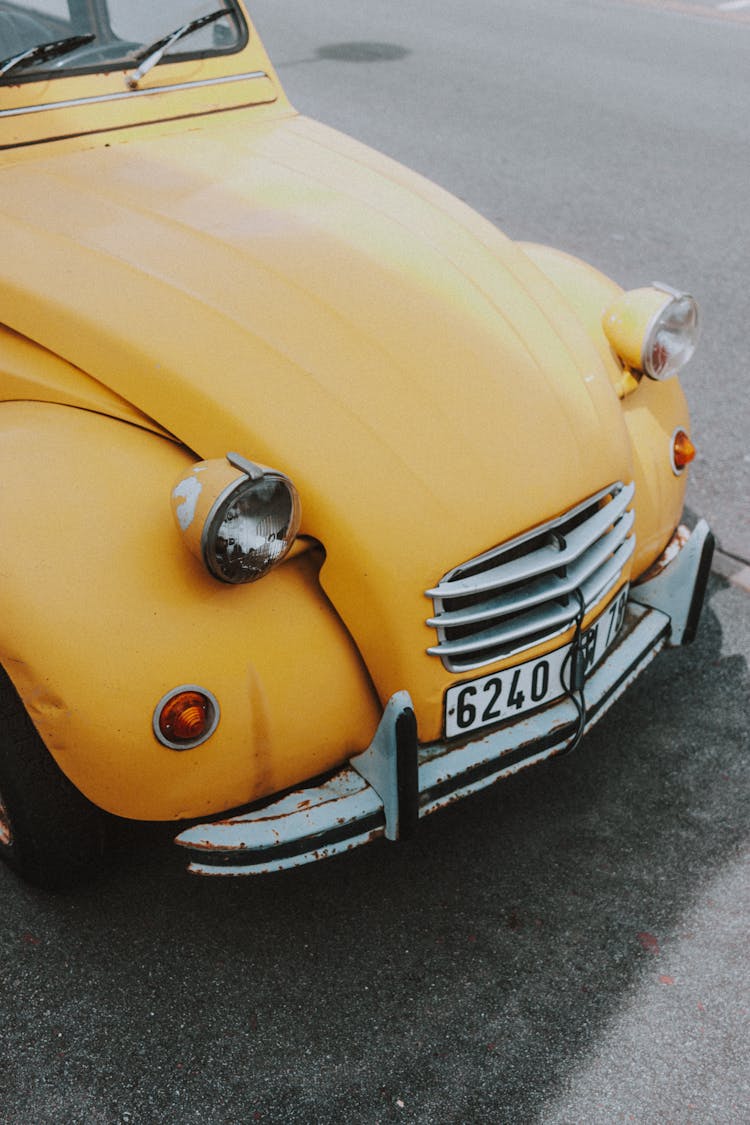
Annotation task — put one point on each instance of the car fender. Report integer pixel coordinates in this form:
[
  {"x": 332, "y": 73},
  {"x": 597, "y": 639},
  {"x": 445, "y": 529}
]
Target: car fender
[
  {"x": 105, "y": 612},
  {"x": 652, "y": 410}
]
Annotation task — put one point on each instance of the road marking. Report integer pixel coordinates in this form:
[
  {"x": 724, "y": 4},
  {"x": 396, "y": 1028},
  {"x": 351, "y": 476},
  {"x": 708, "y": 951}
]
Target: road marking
[{"x": 730, "y": 11}]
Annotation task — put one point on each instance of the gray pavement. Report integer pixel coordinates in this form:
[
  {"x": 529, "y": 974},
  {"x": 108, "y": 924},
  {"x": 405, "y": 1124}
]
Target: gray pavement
[{"x": 570, "y": 947}]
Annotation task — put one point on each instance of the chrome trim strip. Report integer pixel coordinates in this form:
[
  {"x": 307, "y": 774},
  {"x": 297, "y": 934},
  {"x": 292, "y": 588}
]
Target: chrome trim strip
[
  {"x": 99, "y": 98},
  {"x": 547, "y": 586},
  {"x": 540, "y": 624},
  {"x": 518, "y": 594},
  {"x": 544, "y": 558},
  {"x": 495, "y": 552}
]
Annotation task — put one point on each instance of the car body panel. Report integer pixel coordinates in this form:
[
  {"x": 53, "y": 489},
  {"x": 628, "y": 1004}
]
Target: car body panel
[
  {"x": 91, "y": 667},
  {"x": 30, "y": 373},
  {"x": 651, "y": 416},
  {"x": 439, "y": 363}
]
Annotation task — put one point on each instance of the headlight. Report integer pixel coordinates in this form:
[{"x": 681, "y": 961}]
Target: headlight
[
  {"x": 239, "y": 518},
  {"x": 654, "y": 330}
]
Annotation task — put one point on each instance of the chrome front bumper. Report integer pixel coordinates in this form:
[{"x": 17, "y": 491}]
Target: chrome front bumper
[{"x": 396, "y": 781}]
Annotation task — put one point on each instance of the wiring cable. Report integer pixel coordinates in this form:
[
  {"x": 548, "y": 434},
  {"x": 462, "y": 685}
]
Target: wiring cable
[{"x": 574, "y": 689}]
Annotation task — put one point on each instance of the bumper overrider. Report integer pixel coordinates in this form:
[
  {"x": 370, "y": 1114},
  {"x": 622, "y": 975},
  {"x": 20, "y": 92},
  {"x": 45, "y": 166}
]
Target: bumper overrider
[{"x": 386, "y": 789}]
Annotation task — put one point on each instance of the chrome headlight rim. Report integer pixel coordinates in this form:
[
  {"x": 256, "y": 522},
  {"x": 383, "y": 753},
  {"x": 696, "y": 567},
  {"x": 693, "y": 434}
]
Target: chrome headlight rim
[
  {"x": 253, "y": 476},
  {"x": 633, "y": 324},
  {"x": 242, "y": 545},
  {"x": 670, "y": 368}
]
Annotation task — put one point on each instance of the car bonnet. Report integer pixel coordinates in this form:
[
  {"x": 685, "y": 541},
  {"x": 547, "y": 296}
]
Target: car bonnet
[{"x": 281, "y": 290}]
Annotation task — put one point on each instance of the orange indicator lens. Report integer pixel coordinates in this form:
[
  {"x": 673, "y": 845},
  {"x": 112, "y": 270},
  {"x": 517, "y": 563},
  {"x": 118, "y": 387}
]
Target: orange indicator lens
[
  {"x": 683, "y": 450},
  {"x": 186, "y": 717}
]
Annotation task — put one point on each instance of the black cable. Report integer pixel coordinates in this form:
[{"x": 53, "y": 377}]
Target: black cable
[{"x": 575, "y": 689}]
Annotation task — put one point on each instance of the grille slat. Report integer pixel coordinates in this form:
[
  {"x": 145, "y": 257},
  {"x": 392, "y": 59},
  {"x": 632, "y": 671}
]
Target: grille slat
[
  {"x": 545, "y": 587},
  {"x": 544, "y": 558},
  {"x": 519, "y": 594}
]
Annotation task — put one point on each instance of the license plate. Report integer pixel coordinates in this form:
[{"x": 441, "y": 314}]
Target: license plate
[{"x": 505, "y": 695}]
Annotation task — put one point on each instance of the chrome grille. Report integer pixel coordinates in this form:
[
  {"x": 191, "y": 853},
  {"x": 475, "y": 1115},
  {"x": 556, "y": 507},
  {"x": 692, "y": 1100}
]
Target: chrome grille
[{"x": 520, "y": 594}]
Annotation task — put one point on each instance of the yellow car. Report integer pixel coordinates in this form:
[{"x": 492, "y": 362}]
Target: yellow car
[{"x": 325, "y": 504}]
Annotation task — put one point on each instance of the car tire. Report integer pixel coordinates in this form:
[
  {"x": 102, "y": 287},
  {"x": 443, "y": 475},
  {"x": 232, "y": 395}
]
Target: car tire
[{"x": 50, "y": 834}]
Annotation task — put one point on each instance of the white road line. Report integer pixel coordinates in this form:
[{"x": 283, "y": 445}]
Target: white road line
[{"x": 732, "y": 11}]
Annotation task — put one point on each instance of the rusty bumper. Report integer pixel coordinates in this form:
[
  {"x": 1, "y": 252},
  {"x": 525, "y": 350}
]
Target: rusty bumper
[{"x": 396, "y": 781}]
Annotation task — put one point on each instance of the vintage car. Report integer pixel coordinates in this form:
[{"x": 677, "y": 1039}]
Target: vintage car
[{"x": 343, "y": 504}]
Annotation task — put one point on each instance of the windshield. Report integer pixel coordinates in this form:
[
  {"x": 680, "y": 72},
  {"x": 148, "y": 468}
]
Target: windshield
[{"x": 81, "y": 35}]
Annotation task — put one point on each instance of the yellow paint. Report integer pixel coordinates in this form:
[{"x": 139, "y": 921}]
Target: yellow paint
[
  {"x": 105, "y": 611},
  {"x": 627, "y": 320},
  {"x": 194, "y": 495},
  {"x": 590, "y": 294},
  {"x": 254, "y": 281},
  {"x": 653, "y": 414},
  {"x": 29, "y": 372},
  {"x": 629, "y": 382}
]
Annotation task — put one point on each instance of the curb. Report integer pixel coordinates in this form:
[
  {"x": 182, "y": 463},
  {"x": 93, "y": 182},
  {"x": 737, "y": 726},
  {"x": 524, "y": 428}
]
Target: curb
[{"x": 736, "y": 571}]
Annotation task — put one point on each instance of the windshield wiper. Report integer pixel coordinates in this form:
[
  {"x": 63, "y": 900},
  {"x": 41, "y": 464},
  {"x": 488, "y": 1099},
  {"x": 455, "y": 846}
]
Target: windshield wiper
[
  {"x": 44, "y": 51},
  {"x": 152, "y": 54}
]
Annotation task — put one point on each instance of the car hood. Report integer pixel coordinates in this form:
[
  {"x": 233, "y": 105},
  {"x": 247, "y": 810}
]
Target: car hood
[{"x": 281, "y": 290}]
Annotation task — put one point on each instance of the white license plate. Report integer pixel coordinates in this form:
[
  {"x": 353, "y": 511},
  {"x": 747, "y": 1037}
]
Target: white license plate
[{"x": 505, "y": 695}]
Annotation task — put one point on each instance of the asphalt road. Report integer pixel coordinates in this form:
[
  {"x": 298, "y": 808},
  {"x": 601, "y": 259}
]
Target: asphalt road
[{"x": 572, "y": 946}]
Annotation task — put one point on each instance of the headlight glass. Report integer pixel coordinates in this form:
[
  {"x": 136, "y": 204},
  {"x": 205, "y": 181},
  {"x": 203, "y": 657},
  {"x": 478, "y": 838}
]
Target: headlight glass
[
  {"x": 653, "y": 330},
  {"x": 251, "y": 529},
  {"x": 240, "y": 519},
  {"x": 672, "y": 337}
]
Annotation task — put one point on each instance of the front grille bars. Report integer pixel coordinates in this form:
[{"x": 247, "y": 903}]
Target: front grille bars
[{"x": 518, "y": 595}]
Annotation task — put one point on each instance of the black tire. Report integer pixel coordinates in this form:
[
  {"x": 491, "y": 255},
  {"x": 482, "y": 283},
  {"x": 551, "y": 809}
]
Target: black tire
[{"x": 50, "y": 834}]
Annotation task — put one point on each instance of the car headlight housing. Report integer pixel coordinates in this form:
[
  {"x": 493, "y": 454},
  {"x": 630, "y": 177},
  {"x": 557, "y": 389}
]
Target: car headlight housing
[
  {"x": 239, "y": 518},
  {"x": 653, "y": 330}
]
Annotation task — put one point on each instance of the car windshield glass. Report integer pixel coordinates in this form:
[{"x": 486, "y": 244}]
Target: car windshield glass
[{"x": 112, "y": 33}]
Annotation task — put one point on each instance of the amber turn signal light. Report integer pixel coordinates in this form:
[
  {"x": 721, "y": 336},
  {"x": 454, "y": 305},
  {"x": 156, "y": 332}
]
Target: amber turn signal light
[
  {"x": 683, "y": 451},
  {"x": 186, "y": 717}
]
